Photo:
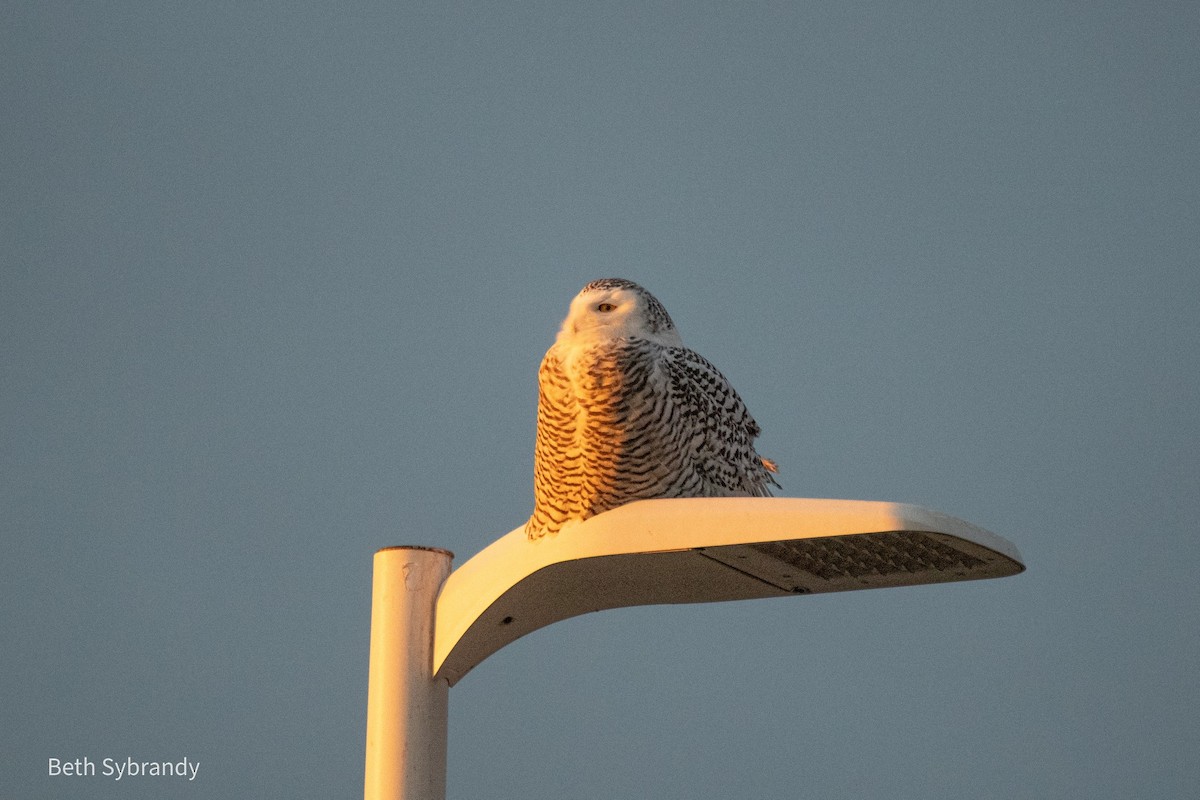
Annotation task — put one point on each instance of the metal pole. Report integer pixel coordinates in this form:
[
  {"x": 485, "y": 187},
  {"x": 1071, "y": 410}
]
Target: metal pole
[{"x": 406, "y": 707}]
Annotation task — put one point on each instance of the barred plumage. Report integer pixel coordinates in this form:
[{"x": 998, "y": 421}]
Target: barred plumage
[{"x": 626, "y": 412}]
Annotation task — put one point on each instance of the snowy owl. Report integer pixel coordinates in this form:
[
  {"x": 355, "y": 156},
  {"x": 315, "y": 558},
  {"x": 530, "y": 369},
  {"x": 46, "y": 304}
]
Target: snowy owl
[{"x": 626, "y": 412}]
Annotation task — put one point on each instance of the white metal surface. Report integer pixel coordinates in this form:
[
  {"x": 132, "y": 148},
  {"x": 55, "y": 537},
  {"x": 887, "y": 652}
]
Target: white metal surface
[
  {"x": 406, "y": 705},
  {"x": 700, "y": 550}
]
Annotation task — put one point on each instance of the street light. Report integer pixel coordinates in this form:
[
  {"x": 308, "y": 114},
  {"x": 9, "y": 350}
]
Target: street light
[{"x": 429, "y": 627}]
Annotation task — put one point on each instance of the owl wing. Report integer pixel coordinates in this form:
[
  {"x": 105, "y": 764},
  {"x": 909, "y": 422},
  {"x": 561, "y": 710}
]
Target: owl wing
[{"x": 717, "y": 428}]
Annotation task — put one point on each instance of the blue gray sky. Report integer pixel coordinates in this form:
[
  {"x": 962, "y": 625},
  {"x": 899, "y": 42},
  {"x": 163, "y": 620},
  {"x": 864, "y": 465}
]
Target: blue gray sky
[{"x": 276, "y": 279}]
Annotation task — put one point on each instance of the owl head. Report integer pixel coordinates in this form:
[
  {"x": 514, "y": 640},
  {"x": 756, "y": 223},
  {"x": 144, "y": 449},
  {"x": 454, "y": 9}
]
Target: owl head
[{"x": 613, "y": 308}]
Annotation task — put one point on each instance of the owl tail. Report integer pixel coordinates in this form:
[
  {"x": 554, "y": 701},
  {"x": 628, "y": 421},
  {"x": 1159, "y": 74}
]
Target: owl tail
[{"x": 769, "y": 476}]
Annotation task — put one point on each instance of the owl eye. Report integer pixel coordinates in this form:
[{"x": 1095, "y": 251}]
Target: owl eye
[{"x": 606, "y": 307}]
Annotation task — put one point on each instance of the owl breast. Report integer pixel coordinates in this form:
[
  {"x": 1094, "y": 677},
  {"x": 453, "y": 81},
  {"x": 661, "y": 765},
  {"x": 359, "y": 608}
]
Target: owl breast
[{"x": 608, "y": 433}]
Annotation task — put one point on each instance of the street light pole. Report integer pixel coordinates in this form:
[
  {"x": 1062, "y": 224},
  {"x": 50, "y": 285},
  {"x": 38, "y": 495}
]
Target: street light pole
[
  {"x": 407, "y": 707},
  {"x": 430, "y": 628}
]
